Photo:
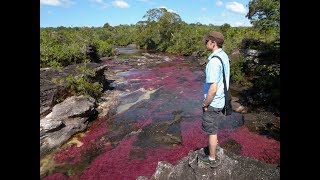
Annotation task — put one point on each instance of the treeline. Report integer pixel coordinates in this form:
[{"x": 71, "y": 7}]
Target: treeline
[{"x": 162, "y": 31}]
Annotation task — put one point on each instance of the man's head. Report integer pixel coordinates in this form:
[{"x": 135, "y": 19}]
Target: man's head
[{"x": 215, "y": 37}]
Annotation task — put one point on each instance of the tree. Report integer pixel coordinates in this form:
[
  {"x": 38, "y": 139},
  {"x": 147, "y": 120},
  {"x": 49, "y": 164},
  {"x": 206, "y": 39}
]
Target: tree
[
  {"x": 224, "y": 28},
  {"x": 107, "y": 26},
  {"x": 264, "y": 13},
  {"x": 157, "y": 31}
]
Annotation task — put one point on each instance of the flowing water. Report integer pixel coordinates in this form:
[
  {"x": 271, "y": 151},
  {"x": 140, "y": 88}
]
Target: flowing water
[{"x": 158, "y": 119}]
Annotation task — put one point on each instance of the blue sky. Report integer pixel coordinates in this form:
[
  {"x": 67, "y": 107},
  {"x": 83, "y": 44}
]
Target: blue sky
[{"x": 79, "y": 13}]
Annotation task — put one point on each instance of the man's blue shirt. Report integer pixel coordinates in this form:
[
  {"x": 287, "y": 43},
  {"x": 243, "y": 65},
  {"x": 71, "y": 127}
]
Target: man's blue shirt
[{"x": 214, "y": 74}]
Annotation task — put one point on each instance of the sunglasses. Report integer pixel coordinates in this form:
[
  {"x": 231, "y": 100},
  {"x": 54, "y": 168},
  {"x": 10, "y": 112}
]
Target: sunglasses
[{"x": 208, "y": 41}]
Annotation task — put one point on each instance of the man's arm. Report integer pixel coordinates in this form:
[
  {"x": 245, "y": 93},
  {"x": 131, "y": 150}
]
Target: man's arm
[{"x": 210, "y": 95}]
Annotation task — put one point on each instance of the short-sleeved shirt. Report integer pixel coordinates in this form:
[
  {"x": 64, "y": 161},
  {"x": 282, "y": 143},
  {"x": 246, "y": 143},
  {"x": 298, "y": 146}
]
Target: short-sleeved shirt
[{"x": 214, "y": 74}]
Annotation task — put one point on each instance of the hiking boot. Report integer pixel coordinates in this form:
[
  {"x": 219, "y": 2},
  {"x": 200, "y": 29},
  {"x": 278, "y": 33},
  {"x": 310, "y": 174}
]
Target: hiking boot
[{"x": 211, "y": 163}]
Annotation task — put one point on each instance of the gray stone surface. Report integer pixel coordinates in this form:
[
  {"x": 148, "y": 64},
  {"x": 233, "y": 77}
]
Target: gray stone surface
[
  {"x": 50, "y": 90},
  {"x": 232, "y": 167},
  {"x": 66, "y": 119}
]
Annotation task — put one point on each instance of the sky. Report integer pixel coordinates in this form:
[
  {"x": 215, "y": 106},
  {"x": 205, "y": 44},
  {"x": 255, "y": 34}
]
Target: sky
[{"x": 95, "y": 13}]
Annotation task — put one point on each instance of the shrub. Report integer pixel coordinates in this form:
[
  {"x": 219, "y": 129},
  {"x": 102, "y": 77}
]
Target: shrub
[
  {"x": 81, "y": 85},
  {"x": 84, "y": 86},
  {"x": 236, "y": 71},
  {"x": 104, "y": 49}
]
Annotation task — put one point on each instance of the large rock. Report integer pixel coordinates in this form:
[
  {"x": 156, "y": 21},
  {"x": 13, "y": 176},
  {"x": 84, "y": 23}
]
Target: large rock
[
  {"x": 66, "y": 119},
  {"x": 48, "y": 89},
  {"x": 232, "y": 167},
  {"x": 51, "y": 90}
]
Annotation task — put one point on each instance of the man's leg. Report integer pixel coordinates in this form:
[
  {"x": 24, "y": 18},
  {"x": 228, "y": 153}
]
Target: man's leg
[{"x": 213, "y": 139}]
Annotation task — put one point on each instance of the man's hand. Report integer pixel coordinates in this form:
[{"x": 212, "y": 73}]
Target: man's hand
[{"x": 204, "y": 108}]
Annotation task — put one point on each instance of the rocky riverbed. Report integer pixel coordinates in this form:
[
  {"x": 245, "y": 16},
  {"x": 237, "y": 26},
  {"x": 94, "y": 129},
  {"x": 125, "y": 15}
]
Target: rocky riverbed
[{"x": 148, "y": 125}]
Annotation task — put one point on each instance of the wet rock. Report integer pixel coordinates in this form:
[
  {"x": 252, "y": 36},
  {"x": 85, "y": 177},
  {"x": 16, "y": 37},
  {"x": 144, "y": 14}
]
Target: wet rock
[
  {"x": 137, "y": 154},
  {"x": 164, "y": 133},
  {"x": 66, "y": 119},
  {"x": 131, "y": 97}
]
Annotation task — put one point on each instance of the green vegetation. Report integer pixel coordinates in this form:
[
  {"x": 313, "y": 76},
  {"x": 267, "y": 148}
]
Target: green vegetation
[
  {"x": 164, "y": 31},
  {"x": 62, "y": 46},
  {"x": 264, "y": 13},
  {"x": 80, "y": 85},
  {"x": 237, "y": 74}
]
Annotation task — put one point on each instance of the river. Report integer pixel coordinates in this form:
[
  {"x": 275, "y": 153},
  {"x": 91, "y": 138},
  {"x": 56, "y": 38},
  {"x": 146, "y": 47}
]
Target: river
[{"x": 158, "y": 119}]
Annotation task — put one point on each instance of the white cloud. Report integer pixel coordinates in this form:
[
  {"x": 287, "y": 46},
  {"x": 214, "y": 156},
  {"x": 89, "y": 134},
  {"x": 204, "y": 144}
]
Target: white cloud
[
  {"x": 97, "y": 1},
  {"x": 144, "y": 0},
  {"x": 50, "y": 2},
  {"x": 56, "y": 2},
  {"x": 105, "y": 6},
  {"x": 49, "y": 12},
  {"x": 236, "y": 7},
  {"x": 100, "y": 3},
  {"x": 203, "y": 9},
  {"x": 238, "y": 23},
  {"x": 120, "y": 4},
  {"x": 219, "y": 3},
  {"x": 169, "y": 10},
  {"x": 223, "y": 14}
]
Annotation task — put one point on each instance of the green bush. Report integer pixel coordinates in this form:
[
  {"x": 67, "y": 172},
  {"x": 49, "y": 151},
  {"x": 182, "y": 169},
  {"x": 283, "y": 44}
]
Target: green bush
[
  {"x": 104, "y": 49},
  {"x": 237, "y": 75},
  {"x": 68, "y": 46},
  {"x": 81, "y": 85},
  {"x": 267, "y": 77},
  {"x": 84, "y": 86},
  {"x": 55, "y": 65},
  {"x": 63, "y": 46}
]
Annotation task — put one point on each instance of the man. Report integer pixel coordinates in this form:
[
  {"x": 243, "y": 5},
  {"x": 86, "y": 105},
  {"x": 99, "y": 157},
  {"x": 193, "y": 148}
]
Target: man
[{"x": 214, "y": 93}]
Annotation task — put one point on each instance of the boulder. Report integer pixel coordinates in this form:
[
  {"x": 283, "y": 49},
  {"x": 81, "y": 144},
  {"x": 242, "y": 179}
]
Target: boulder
[
  {"x": 52, "y": 90},
  {"x": 232, "y": 167},
  {"x": 66, "y": 119}
]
